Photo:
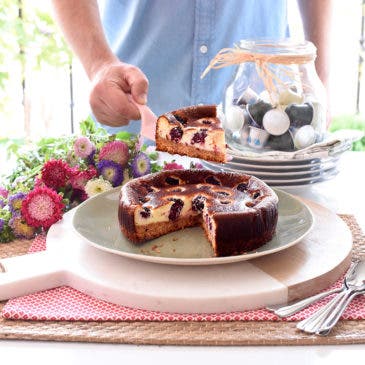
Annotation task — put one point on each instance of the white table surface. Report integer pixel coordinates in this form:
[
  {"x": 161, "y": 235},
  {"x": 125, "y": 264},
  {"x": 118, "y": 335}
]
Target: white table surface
[{"x": 343, "y": 194}]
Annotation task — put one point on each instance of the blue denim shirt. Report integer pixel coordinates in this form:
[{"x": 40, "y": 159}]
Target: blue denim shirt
[{"x": 172, "y": 42}]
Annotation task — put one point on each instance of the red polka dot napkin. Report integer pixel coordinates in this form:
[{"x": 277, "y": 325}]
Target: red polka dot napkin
[{"x": 65, "y": 303}]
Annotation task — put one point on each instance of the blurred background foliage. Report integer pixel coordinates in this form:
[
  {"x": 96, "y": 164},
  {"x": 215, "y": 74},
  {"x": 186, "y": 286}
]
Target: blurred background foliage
[
  {"x": 350, "y": 121},
  {"x": 29, "y": 40}
]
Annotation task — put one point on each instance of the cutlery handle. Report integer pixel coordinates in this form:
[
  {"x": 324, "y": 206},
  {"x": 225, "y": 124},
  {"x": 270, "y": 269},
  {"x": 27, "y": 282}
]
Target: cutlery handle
[
  {"x": 293, "y": 308},
  {"x": 21, "y": 275},
  {"x": 312, "y": 323},
  {"x": 334, "y": 317}
]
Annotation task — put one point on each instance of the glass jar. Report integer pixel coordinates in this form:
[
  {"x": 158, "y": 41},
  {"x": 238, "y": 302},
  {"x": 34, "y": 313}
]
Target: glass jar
[{"x": 275, "y": 100}]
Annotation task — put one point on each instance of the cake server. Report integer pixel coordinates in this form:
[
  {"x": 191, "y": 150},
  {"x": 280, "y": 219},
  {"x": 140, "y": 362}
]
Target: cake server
[{"x": 148, "y": 120}]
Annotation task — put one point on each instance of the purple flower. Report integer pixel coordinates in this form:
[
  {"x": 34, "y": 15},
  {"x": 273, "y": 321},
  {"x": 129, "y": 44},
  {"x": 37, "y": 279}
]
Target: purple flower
[
  {"x": 111, "y": 171},
  {"x": 20, "y": 228},
  {"x": 90, "y": 159},
  {"x": 2, "y": 203},
  {"x": 15, "y": 202},
  {"x": 141, "y": 165},
  {"x": 2, "y": 223}
]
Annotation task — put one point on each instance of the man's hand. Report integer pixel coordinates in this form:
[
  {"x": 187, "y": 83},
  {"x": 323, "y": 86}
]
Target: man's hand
[
  {"x": 112, "y": 87},
  {"x": 113, "y": 82}
]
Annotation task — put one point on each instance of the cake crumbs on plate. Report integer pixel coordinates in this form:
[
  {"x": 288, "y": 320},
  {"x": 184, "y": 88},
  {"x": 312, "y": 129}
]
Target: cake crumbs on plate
[{"x": 155, "y": 248}]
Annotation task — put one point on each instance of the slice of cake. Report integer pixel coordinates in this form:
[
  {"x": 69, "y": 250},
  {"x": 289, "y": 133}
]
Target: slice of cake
[
  {"x": 238, "y": 212},
  {"x": 194, "y": 131}
]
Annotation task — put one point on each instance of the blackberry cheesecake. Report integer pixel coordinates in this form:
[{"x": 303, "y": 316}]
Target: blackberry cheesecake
[
  {"x": 194, "y": 131},
  {"x": 238, "y": 212}
]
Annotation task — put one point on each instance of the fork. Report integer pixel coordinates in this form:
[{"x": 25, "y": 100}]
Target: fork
[{"x": 294, "y": 307}]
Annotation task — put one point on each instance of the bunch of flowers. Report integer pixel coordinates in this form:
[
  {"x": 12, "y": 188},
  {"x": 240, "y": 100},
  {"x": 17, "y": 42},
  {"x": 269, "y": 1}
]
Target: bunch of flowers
[{"x": 58, "y": 174}]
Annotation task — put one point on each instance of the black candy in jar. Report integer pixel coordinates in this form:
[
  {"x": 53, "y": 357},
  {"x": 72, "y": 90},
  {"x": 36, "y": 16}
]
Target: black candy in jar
[
  {"x": 281, "y": 143},
  {"x": 258, "y": 110},
  {"x": 300, "y": 114}
]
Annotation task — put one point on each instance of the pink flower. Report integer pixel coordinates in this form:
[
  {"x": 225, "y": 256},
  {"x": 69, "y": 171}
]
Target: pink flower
[
  {"x": 56, "y": 173},
  {"x": 42, "y": 207},
  {"x": 116, "y": 151},
  {"x": 79, "y": 178},
  {"x": 173, "y": 166},
  {"x": 38, "y": 183},
  {"x": 196, "y": 165},
  {"x": 83, "y": 147},
  {"x": 3, "y": 192}
]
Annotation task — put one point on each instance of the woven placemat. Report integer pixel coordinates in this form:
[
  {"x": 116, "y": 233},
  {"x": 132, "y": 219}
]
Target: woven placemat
[{"x": 182, "y": 333}]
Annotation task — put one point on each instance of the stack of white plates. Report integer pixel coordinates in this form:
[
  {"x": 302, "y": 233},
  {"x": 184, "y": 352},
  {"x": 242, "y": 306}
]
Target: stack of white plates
[
  {"x": 314, "y": 164},
  {"x": 285, "y": 173}
]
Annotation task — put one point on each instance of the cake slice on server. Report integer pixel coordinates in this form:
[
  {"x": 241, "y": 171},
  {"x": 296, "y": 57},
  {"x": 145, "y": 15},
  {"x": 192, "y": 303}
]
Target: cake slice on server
[{"x": 194, "y": 131}]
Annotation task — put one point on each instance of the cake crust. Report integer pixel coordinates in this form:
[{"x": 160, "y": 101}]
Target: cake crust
[
  {"x": 180, "y": 149},
  {"x": 238, "y": 212}
]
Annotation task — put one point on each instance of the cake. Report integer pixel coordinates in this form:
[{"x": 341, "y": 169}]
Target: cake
[
  {"x": 237, "y": 212},
  {"x": 194, "y": 131}
]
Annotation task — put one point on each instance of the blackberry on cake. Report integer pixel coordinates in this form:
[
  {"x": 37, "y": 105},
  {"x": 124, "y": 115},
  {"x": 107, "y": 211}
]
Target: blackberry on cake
[
  {"x": 238, "y": 212},
  {"x": 194, "y": 131}
]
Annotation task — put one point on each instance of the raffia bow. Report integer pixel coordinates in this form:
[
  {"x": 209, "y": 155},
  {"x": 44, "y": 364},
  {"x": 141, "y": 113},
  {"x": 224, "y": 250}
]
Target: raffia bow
[{"x": 234, "y": 56}]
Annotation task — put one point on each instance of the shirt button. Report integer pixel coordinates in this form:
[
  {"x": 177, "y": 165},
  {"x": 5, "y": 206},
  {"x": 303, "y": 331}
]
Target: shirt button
[{"x": 203, "y": 49}]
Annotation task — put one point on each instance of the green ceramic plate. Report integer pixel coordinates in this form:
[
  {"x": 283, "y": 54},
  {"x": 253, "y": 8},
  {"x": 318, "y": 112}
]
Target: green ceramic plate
[{"x": 96, "y": 220}]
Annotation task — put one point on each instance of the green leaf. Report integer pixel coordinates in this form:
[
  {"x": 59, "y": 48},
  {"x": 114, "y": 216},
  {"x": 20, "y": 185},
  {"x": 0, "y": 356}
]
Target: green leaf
[
  {"x": 153, "y": 155},
  {"x": 123, "y": 136}
]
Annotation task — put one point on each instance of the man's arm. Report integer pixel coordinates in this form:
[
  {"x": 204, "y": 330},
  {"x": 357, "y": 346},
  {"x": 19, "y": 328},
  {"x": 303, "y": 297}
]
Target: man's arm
[
  {"x": 317, "y": 21},
  {"x": 112, "y": 80},
  {"x": 81, "y": 25}
]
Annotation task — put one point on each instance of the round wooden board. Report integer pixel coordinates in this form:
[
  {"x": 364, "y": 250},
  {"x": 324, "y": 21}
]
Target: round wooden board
[
  {"x": 299, "y": 271},
  {"x": 316, "y": 262}
]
